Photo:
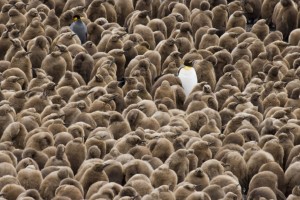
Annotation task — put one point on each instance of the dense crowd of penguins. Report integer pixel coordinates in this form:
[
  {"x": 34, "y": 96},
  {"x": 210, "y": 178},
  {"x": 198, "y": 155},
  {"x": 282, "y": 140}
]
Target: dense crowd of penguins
[{"x": 108, "y": 119}]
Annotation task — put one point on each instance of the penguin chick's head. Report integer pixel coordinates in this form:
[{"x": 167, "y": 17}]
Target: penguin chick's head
[{"x": 76, "y": 18}]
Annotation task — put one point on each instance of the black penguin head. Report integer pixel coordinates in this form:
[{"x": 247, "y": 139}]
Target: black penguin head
[
  {"x": 76, "y": 18},
  {"x": 188, "y": 62}
]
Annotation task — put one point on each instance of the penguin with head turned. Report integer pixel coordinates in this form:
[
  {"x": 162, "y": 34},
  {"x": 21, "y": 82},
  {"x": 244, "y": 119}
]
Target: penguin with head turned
[{"x": 79, "y": 28}]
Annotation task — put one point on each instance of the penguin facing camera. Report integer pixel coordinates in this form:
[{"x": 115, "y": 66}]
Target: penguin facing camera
[{"x": 188, "y": 76}]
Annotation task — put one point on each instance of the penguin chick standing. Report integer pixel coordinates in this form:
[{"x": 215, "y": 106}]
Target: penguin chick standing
[
  {"x": 188, "y": 77},
  {"x": 22, "y": 61},
  {"x": 54, "y": 65},
  {"x": 79, "y": 28}
]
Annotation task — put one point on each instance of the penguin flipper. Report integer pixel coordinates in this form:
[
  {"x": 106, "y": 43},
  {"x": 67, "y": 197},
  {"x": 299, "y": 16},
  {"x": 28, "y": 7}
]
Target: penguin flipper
[{"x": 179, "y": 70}]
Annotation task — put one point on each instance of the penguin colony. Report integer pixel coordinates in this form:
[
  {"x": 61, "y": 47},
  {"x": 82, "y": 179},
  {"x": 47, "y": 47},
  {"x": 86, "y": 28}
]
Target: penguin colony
[{"x": 105, "y": 117}]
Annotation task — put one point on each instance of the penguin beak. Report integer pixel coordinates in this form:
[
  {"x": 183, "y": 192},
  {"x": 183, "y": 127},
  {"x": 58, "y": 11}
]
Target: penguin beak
[
  {"x": 27, "y": 92},
  {"x": 112, "y": 62},
  {"x": 105, "y": 165},
  {"x": 143, "y": 142},
  {"x": 73, "y": 34},
  {"x": 90, "y": 92}
]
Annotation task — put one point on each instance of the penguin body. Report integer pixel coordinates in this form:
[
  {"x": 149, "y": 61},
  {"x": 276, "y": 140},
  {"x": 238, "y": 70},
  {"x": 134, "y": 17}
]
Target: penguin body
[
  {"x": 188, "y": 77},
  {"x": 79, "y": 28}
]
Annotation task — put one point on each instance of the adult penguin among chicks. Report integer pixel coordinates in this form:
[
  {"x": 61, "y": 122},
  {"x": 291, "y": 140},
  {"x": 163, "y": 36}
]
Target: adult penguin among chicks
[
  {"x": 188, "y": 76},
  {"x": 79, "y": 28}
]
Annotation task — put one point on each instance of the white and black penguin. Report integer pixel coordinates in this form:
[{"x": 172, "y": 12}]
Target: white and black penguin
[{"x": 188, "y": 76}]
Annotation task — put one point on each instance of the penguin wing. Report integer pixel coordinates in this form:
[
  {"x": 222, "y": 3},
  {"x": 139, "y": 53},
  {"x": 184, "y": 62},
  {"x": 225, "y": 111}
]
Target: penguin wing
[
  {"x": 72, "y": 26},
  {"x": 180, "y": 68}
]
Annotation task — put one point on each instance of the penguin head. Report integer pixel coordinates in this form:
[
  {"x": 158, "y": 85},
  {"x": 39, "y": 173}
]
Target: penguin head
[
  {"x": 76, "y": 18},
  {"x": 188, "y": 62}
]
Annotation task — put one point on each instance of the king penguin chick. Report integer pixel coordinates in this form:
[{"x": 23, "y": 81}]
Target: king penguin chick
[
  {"x": 54, "y": 65},
  {"x": 30, "y": 177},
  {"x": 79, "y": 28},
  {"x": 93, "y": 174},
  {"x": 22, "y": 61},
  {"x": 132, "y": 98},
  {"x": 11, "y": 83},
  {"x": 60, "y": 158},
  {"x": 17, "y": 100},
  {"x": 118, "y": 127},
  {"x": 179, "y": 162},
  {"x": 165, "y": 90},
  {"x": 188, "y": 77}
]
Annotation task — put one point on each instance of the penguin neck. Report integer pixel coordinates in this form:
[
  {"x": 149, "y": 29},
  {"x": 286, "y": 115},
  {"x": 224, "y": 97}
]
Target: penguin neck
[
  {"x": 78, "y": 21},
  {"x": 186, "y": 67}
]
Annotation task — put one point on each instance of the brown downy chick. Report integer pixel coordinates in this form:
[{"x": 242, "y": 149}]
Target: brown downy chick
[
  {"x": 60, "y": 158},
  {"x": 14, "y": 48},
  {"x": 4, "y": 17},
  {"x": 31, "y": 14},
  {"x": 22, "y": 61},
  {"x": 68, "y": 80},
  {"x": 18, "y": 18},
  {"x": 39, "y": 51},
  {"x": 51, "y": 183},
  {"x": 164, "y": 90},
  {"x": 173, "y": 57},
  {"x": 66, "y": 55},
  {"x": 39, "y": 102},
  {"x": 143, "y": 93},
  {"x": 54, "y": 65},
  {"x": 132, "y": 98},
  {"x": 11, "y": 83},
  {"x": 92, "y": 175},
  {"x": 76, "y": 153},
  {"x": 118, "y": 127},
  {"x": 34, "y": 29},
  {"x": 294, "y": 99},
  {"x": 96, "y": 81},
  {"x": 30, "y": 177},
  {"x": 179, "y": 163},
  {"x": 52, "y": 20},
  {"x": 130, "y": 84},
  {"x": 18, "y": 100},
  {"x": 210, "y": 127},
  {"x": 5, "y": 43}
]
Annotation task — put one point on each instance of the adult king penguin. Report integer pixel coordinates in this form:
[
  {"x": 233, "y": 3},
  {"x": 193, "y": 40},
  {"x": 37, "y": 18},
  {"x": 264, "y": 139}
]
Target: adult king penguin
[
  {"x": 79, "y": 28},
  {"x": 188, "y": 76}
]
